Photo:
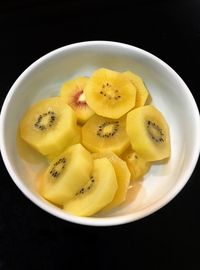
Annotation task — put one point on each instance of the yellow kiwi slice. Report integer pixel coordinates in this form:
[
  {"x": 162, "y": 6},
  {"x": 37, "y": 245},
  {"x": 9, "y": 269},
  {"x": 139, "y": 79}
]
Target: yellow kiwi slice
[
  {"x": 49, "y": 126},
  {"x": 149, "y": 133},
  {"x": 72, "y": 92},
  {"x": 142, "y": 93},
  {"x": 101, "y": 134},
  {"x": 138, "y": 167},
  {"x": 97, "y": 193},
  {"x": 110, "y": 93},
  {"x": 123, "y": 177},
  {"x": 66, "y": 174}
]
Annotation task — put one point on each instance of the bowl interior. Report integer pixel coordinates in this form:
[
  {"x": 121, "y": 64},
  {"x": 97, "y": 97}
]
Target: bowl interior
[{"x": 44, "y": 78}]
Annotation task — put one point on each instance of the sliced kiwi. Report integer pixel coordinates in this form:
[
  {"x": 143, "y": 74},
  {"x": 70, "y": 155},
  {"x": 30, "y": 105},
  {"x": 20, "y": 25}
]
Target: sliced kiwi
[
  {"x": 149, "y": 133},
  {"x": 123, "y": 177},
  {"x": 110, "y": 93},
  {"x": 97, "y": 193},
  {"x": 72, "y": 92},
  {"x": 62, "y": 179},
  {"x": 141, "y": 91},
  {"x": 49, "y": 126},
  {"x": 101, "y": 134},
  {"x": 138, "y": 167}
]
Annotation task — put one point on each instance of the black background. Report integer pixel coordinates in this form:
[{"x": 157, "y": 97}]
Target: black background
[{"x": 31, "y": 238}]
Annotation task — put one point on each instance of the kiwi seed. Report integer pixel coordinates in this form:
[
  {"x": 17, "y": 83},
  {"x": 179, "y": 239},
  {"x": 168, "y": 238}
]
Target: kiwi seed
[
  {"x": 87, "y": 187},
  {"x": 57, "y": 168},
  {"x": 155, "y": 132},
  {"x": 51, "y": 119},
  {"x": 102, "y": 134}
]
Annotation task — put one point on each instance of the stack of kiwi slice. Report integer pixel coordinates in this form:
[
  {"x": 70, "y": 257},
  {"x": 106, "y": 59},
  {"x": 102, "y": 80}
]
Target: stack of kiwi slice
[{"x": 98, "y": 135}]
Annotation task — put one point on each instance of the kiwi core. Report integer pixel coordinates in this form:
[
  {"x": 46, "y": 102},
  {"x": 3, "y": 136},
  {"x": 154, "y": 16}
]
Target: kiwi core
[
  {"x": 79, "y": 98},
  {"x": 155, "y": 132},
  {"x": 45, "y": 120},
  {"x": 87, "y": 187},
  {"x": 108, "y": 129},
  {"x": 109, "y": 91},
  {"x": 58, "y": 167}
]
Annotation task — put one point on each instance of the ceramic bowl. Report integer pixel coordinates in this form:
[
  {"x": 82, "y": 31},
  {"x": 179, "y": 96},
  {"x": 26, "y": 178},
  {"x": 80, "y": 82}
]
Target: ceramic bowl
[{"x": 169, "y": 94}]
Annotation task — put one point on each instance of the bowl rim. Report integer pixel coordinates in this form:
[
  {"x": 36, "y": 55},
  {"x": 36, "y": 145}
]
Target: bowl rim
[{"x": 100, "y": 221}]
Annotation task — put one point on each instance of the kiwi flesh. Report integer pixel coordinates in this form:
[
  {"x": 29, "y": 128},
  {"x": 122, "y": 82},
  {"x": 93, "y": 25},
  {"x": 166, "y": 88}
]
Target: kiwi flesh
[
  {"x": 100, "y": 134},
  {"x": 149, "y": 133}
]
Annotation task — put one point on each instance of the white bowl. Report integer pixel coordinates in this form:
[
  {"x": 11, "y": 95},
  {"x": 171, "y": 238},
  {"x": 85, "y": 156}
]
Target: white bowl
[{"x": 169, "y": 93}]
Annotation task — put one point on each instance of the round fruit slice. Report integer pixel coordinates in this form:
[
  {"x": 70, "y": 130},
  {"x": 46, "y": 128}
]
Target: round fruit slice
[
  {"x": 149, "y": 133},
  {"x": 97, "y": 193},
  {"x": 66, "y": 174},
  {"x": 100, "y": 134},
  {"x": 142, "y": 92},
  {"x": 123, "y": 177},
  {"x": 72, "y": 93},
  {"x": 49, "y": 126},
  {"x": 110, "y": 93},
  {"x": 138, "y": 167}
]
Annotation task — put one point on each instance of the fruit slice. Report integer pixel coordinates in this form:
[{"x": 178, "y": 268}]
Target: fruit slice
[
  {"x": 66, "y": 174},
  {"x": 110, "y": 93},
  {"x": 123, "y": 177},
  {"x": 72, "y": 93},
  {"x": 101, "y": 134},
  {"x": 97, "y": 193},
  {"x": 138, "y": 167},
  {"x": 49, "y": 126},
  {"x": 149, "y": 133},
  {"x": 142, "y": 92}
]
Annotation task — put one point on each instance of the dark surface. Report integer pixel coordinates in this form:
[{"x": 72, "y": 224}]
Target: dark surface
[{"x": 32, "y": 239}]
